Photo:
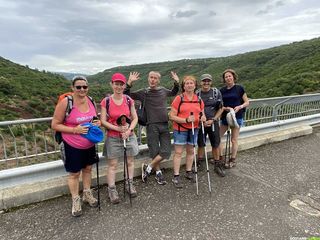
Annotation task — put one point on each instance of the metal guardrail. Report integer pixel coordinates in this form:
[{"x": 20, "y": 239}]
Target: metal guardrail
[{"x": 27, "y": 142}]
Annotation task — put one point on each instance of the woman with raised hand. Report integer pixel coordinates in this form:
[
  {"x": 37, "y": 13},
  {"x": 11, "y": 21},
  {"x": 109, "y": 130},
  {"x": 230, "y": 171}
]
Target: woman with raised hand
[
  {"x": 78, "y": 152},
  {"x": 185, "y": 112},
  {"x": 113, "y": 109},
  {"x": 234, "y": 99}
]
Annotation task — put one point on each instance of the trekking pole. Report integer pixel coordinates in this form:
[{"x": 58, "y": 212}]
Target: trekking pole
[
  {"x": 227, "y": 151},
  {"x": 194, "y": 157},
  {"x": 206, "y": 155},
  {"x": 126, "y": 171},
  {"x": 98, "y": 182}
]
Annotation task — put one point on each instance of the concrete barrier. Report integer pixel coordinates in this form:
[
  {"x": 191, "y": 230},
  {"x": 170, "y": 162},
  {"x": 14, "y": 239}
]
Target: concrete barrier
[{"x": 21, "y": 189}]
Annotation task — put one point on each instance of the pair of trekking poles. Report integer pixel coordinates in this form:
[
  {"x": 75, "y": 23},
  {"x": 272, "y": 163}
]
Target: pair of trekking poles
[
  {"x": 227, "y": 154},
  {"x": 125, "y": 172},
  {"x": 195, "y": 157}
]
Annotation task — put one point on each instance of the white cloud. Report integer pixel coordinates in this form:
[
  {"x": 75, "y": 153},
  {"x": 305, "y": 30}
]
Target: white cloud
[{"x": 91, "y": 35}]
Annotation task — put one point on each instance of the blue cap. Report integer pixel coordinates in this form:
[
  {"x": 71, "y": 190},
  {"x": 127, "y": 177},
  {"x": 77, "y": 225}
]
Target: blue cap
[{"x": 95, "y": 134}]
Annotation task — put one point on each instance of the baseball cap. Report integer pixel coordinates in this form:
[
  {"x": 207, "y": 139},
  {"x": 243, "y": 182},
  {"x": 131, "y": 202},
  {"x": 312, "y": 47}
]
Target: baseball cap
[
  {"x": 206, "y": 76},
  {"x": 94, "y": 134},
  {"x": 118, "y": 77}
]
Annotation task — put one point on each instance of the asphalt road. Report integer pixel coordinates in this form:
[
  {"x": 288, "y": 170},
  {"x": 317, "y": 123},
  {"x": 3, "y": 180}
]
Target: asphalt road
[{"x": 251, "y": 202}]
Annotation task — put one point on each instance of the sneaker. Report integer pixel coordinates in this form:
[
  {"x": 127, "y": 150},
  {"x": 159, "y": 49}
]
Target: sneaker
[
  {"x": 113, "y": 195},
  {"x": 132, "y": 191},
  {"x": 160, "y": 179},
  {"x": 144, "y": 174},
  {"x": 218, "y": 168},
  {"x": 189, "y": 175},
  {"x": 88, "y": 198},
  {"x": 76, "y": 206},
  {"x": 176, "y": 182}
]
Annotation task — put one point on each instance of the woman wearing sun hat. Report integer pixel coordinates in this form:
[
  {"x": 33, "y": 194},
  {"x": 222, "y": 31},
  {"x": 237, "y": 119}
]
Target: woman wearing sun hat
[{"x": 113, "y": 108}]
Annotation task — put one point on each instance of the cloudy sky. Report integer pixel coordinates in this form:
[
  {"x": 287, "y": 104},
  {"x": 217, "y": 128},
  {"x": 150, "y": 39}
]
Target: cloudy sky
[{"x": 88, "y": 36}]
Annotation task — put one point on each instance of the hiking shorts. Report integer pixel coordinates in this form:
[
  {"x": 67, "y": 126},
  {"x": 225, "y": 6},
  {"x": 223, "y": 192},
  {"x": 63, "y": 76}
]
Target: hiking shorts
[
  {"x": 239, "y": 121},
  {"x": 76, "y": 159},
  {"x": 185, "y": 137},
  {"x": 158, "y": 139},
  {"x": 113, "y": 147},
  {"x": 213, "y": 132}
]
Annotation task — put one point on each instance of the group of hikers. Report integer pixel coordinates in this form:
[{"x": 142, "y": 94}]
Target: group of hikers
[{"x": 195, "y": 114}]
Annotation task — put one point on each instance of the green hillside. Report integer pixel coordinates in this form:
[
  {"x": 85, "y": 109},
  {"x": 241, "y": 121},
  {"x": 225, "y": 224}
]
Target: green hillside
[
  {"x": 280, "y": 71},
  {"x": 28, "y": 93}
]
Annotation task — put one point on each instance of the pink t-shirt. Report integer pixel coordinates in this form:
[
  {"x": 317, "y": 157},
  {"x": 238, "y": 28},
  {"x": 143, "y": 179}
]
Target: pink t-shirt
[
  {"x": 74, "y": 119},
  {"x": 115, "y": 111}
]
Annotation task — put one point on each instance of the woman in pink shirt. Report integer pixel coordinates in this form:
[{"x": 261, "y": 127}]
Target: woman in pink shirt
[
  {"x": 114, "y": 107},
  {"x": 78, "y": 152}
]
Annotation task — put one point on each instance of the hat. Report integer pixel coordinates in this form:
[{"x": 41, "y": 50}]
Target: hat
[
  {"x": 94, "y": 134},
  {"x": 231, "y": 119},
  {"x": 122, "y": 120},
  {"x": 206, "y": 76},
  {"x": 118, "y": 77}
]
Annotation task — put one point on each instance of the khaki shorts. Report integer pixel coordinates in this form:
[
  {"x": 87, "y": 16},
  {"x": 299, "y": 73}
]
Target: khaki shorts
[{"x": 113, "y": 147}]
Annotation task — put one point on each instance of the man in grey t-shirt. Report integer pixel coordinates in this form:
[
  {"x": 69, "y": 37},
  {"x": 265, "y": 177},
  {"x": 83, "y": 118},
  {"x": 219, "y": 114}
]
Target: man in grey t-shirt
[
  {"x": 158, "y": 135},
  {"x": 212, "y": 99}
]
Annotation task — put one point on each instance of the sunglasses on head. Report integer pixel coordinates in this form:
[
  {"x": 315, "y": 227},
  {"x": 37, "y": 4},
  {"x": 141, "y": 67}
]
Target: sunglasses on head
[{"x": 79, "y": 87}]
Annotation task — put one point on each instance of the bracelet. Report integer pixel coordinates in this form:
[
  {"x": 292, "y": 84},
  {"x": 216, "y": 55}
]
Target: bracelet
[{"x": 187, "y": 120}]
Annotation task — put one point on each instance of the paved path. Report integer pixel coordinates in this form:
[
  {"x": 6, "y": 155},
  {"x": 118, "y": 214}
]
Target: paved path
[{"x": 251, "y": 202}]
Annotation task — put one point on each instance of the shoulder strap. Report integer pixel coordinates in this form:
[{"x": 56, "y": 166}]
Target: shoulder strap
[
  {"x": 215, "y": 93},
  {"x": 69, "y": 105},
  {"x": 181, "y": 101},
  {"x": 128, "y": 102}
]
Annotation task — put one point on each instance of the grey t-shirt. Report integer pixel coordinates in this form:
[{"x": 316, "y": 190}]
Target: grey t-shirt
[
  {"x": 211, "y": 100},
  {"x": 155, "y": 101}
]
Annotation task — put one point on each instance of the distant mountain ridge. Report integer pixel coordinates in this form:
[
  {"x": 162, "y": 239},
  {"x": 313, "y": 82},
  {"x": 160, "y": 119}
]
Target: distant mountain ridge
[
  {"x": 279, "y": 71},
  {"x": 69, "y": 75}
]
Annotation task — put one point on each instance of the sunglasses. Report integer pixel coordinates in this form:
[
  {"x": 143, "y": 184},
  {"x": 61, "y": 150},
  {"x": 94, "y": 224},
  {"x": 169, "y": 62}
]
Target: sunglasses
[{"x": 79, "y": 87}]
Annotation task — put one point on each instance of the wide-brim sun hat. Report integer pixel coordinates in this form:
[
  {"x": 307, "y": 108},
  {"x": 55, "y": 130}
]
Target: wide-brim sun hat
[{"x": 231, "y": 119}]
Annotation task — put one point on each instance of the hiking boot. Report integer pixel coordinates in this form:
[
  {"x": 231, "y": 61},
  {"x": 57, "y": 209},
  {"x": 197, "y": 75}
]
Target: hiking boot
[
  {"x": 176, "y": 181},
  {"x": 144, "y": 174},
  {"x": 132, "y": 191},
  {"x": 88, "y": 198},
  {"x": 76, "y": 206},
  {"x": 200, "y": 164},
  {"x": 113, "y": 195},
  {"x": 231, "y": 163},
  {"x": 218, "y": 168},
  {"x": 189, "y": 175},
  {"x": 160, "y": 179}
]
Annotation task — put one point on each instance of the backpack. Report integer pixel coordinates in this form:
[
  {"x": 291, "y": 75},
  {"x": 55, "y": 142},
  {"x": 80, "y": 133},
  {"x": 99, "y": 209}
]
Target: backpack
[
  {"x": 68, "y": 95},
  {"x": 215, "y": 93},
  {"x": 181, "y": 102},
  {"x": 108, "y": 103}
]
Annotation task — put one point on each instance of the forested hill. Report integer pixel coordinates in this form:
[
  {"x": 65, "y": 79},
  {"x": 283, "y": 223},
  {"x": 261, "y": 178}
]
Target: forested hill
[
  {"x": 28, "y": 93},
  {"x": 279, "y": 71}
]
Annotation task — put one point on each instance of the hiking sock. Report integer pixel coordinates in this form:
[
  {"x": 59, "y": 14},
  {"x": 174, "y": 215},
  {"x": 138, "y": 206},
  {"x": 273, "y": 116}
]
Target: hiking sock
[{"x": 149, "y": 169}]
